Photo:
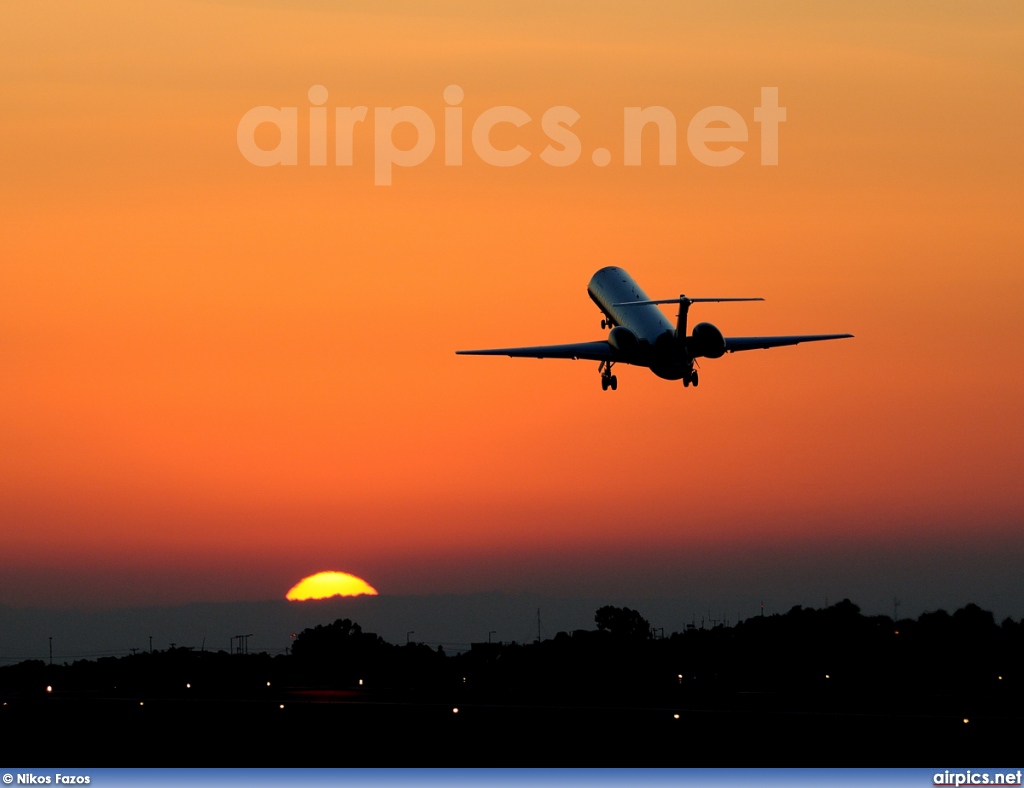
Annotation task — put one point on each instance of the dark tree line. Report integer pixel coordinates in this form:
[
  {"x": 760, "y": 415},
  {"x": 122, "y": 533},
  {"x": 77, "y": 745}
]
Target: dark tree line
[{"x": 834, "y": 657}]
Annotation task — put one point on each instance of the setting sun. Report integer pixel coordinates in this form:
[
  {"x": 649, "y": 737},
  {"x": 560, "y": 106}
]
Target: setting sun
[{"x": 327, "y": 584}]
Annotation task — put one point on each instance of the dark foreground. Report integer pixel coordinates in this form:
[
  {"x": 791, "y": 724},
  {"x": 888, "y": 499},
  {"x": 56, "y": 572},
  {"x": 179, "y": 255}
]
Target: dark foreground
[
  {"x": 824, "y": 687},
  {"x": 294, "y": 729}
]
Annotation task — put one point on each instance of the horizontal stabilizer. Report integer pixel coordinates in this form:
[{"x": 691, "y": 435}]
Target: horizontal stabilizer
[{"x": 683, "y": 300}]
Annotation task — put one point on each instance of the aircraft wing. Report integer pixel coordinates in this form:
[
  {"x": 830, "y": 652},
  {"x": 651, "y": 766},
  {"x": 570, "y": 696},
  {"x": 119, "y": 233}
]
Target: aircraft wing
[
  {"x": 593, "y": 351},
  {"x": 735, "y": 344}
]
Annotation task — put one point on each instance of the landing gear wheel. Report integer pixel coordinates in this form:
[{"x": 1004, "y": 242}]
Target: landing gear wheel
[
  {"x": 695, "y": 380},
  {"x": 607, "y": 378},
  {"x": 604, "y": 324}
]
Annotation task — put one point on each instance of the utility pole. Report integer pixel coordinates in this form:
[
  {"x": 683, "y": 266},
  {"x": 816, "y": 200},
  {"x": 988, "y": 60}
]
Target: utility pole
[
  {"x": 410, "y": 632},
  {"x": 538, "y": 625},
  {"x": 51, "y": 650},
  {"x": 150, "y": 644},
  {"x": 895, "y": 609}
]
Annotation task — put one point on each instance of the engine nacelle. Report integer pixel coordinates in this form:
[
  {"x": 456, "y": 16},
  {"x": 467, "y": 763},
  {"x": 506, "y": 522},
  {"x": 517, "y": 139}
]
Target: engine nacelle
[
  {"x": 624, "y": 340},
  {"x": 707, "y": 341}
]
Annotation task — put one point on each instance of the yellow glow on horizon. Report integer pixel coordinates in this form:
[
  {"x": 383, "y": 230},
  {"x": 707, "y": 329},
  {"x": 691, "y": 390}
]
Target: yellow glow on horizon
[{"x": 327, "y": 584}]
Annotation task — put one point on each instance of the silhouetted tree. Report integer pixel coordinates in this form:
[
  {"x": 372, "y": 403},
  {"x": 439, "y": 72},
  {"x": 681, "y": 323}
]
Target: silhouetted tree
[
  {"x": 622, "y": 622},
  {"x": 340, "y": 651},
  {"x": 972, "y": 619}
]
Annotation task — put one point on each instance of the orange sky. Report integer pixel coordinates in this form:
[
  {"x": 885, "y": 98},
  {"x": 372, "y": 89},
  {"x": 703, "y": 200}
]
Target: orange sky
[{"x": 220, "y": 377}]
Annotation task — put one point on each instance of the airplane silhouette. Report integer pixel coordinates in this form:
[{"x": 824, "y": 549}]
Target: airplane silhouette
[{"x": 641, "y": 335}]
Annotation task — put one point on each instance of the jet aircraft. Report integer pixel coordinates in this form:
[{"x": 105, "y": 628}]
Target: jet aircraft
[{"x": 641, "y": 334}]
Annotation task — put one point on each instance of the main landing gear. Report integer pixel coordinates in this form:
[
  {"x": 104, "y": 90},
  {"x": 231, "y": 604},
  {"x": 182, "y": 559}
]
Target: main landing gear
[
  {"x": 608, "y": 380},
  {"x": 690, "y": 378}
]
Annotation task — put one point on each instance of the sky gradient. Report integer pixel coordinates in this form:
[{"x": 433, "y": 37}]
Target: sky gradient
[{"x": 221, "y": 378}]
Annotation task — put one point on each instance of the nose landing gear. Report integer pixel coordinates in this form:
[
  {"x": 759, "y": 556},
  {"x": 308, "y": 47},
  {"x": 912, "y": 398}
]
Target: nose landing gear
[{"x": 690, "y": 378}]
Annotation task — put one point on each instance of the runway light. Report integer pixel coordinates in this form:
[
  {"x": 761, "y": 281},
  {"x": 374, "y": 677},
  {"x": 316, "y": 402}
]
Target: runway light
[
  {"x": 360, "y": 682},
  {"x": 141, "y": 703},
  {"x": 188, "y": 686},
  {"x": 281, "y": 706},
  {"x": 827, "y": 676},
  {"x": 49, "y": 688},
  {"x": 1000, "y": 678},
  {"x": 455, "y": 710},
  {"x": 966, "y": 720},
  {"x": 268, "y": 683},
  {"x": 675, "y": 716}
]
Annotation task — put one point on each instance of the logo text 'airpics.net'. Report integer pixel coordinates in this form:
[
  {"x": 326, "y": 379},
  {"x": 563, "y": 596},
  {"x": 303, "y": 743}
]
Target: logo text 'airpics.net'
[{"x": 711, "y": 125}]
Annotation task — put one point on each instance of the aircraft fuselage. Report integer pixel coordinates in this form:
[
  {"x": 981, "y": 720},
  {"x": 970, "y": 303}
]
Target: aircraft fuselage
[{"x": 651, "y": 341}]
